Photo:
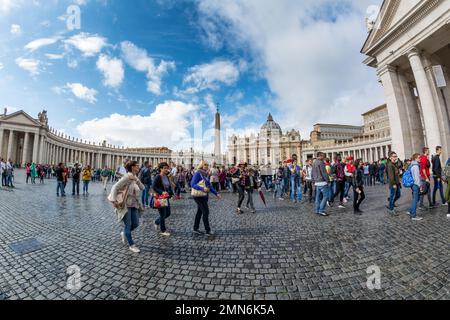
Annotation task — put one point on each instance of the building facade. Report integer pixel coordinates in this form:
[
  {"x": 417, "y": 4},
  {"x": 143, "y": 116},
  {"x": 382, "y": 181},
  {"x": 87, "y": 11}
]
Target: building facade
[
  {"x": 369, "y": 142},
  {"x": 268, "y": 147},
  {"x": 24, "y": 139},
  {"x": 409, "y": 45}
]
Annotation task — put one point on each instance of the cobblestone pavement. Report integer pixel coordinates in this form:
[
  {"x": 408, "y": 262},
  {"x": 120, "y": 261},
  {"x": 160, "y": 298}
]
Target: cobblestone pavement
[{"x": 281, "y": 252}]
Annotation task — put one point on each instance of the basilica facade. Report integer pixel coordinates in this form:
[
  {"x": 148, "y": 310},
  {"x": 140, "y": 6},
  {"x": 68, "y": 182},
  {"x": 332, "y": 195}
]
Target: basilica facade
[{"x": 268, "y": 147}]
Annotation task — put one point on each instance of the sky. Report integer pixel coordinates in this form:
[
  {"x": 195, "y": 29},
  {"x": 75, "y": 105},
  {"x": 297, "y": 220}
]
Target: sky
[{"x": 147, "y": 73}]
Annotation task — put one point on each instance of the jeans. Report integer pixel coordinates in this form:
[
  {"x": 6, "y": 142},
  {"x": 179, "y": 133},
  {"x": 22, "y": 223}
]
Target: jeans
[
  {"x": 28, "y": 177},
  {"x": 340, "y": 189},
  {"x": 426, "y": 191},
  {"x": 268, "y": 182},
  {"x": 60, "y": 187},
  {"x": 373, "y": 179},
  {"x": 131, "y": 221},
  {"x": 9, "y": 180},
  {"x": 4, "y": 179},
  {"x": 381, "y": 177},
  {"x": 348, "y": 184},
  {"x": 438, "y": 186},
  {"x": 332, "y": 191},
  {"x": 241, "y": 195},
  {"x": 85, "y": 186},
  {"x": 264, "y": 179},
  {"x": 75, "y": 186},
  {"x": 415, "y": 200},
  {"x": 164, "y": 213},
  {"x": 395, "y": 194},
  {"x": 366, "y": 180},
  {"x": 145, "y": 195},
  {"x": 296, "y": 187},
  {"x": 309, "y": 189},
  {"x": 285, "y": 185},
  {"x": 321, "y": 198},
  {"x": 178, "y": 189},
  {"x": 278, "y": 189},
  {"x": 202, "y": 212},
  {"x": 250, "y": 199}
]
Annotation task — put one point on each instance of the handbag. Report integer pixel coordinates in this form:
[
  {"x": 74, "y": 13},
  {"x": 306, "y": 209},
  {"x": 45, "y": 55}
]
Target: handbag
[
  {"x": 197, "y": 193},
  {"x": 234, "y": 180},
  {"x": 159, "y": 202},
  {"x": 121, "y": 198}
]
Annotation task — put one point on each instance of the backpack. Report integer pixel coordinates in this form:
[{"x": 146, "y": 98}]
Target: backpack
[
  {"x": 446, "y": 172},
  {"x": 408, "y": 179},
  {"x": 146, "y": 177}
]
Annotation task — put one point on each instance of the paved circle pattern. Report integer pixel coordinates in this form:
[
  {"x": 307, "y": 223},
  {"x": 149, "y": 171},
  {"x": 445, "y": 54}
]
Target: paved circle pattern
[{"x": 281, "y": 252}]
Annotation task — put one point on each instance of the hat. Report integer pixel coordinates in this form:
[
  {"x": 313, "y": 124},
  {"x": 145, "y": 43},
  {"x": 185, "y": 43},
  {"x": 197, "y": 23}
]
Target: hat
[
  {"x": 350, "y": 158},
  {"x": 242, "y": 163}
]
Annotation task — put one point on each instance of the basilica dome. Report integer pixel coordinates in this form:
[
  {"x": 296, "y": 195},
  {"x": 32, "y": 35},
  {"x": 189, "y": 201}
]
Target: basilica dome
[{"x": 270, "y": 125}]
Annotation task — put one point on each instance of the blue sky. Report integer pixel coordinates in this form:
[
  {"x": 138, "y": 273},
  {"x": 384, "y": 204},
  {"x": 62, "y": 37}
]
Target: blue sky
[{"x": 141, "y": 72}]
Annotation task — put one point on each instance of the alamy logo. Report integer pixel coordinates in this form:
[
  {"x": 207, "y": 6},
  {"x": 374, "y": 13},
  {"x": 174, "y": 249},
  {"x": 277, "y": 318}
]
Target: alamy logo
[
  {"x": 74, "y": 279},
  {"x": 73, "y": 21},
  {"x": 374, "y": 278}
]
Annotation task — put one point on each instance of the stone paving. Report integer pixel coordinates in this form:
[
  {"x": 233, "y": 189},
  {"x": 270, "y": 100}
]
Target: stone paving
[{"x": 281, "y": 252}]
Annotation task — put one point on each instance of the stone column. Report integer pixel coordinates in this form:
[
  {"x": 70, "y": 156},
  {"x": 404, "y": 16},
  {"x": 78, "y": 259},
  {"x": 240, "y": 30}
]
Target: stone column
[
  {"x": 36, "y": 148},
  {"x": 26, "y": 142},
  {"x": 10, "y": 145},
  {"x": 400, "y": 132},
  {"x": 2, "y": 132},
  {"x": 41, "y": 150},
  {"x": 433, "y": 137}
]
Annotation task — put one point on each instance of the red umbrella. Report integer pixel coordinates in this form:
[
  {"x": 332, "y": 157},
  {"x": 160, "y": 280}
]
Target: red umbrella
[{"x": 263, "y": 198}]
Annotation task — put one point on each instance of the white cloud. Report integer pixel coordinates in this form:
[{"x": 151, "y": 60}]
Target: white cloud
[
  {"x": 53, "y": 56},
  {"x": 16, "y": 29},
  {"x": 139, "y": 60},
  {"x": 73, "y": 64},
  {"x": 38, "y": 43},
  {"x": 82, "y": 92},
  {"x": 308, "y": 51},
  {"x": 88, "y": 44},
  {"x": 7, "y": 5},
  {"x": 1, "y": 66},
  {"x": 167, "y": 126},
  {"x": 112, "y": 70},
  {"x": 211, "y": 75},
  {"x": 30, "y": 65}
]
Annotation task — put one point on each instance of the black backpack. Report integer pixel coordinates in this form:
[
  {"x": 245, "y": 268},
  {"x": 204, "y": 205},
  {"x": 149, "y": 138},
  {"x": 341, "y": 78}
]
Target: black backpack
[{"x": 146, "y": 177}]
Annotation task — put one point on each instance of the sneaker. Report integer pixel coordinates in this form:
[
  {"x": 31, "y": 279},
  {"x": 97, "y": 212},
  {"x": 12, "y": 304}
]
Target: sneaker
[
  {"x": 198, "y": 232},
  {"x": 253, "y": 211},
  {"x": 165, "y": 234},
  {"x": 210, "y": 234},
  {"x": 408, "y": 213},
  {"x": 448, "y": 215},
  {"x": 323, "y": 214},
  {"x": 345, "y": 200},
  {"x": 358, "y": 213},
  {"x": 281, "y": 199},
  {"x": 417, "y": 219},
  {"x": 134, "y": 249},
  {"x": 122, "y": 237},
  {"x": 341, "y": 206},
  {"x": 239, "y": 211},
  {"x": 445, "y": 204},
  {"x": 155, "y": 226},
  {"x": 328, "y": 204}
]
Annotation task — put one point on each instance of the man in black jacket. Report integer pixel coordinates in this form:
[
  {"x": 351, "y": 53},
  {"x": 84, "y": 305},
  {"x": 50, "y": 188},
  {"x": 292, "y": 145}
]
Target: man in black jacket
[
  {"x": 76, "y": 172},
  {"x": 437, "y": 176}
]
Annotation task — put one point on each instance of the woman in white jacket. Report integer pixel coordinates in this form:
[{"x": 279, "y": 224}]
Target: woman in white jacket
[{"x": 125, "y": 196}]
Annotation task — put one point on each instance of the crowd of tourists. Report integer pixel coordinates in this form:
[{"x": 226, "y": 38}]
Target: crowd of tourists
[{"x": 321, "y": 182}]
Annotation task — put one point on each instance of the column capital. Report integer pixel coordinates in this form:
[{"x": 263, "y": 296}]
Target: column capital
[
  {"x": 386, "y": 68},
  {"x": 414, "y": 51}
]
